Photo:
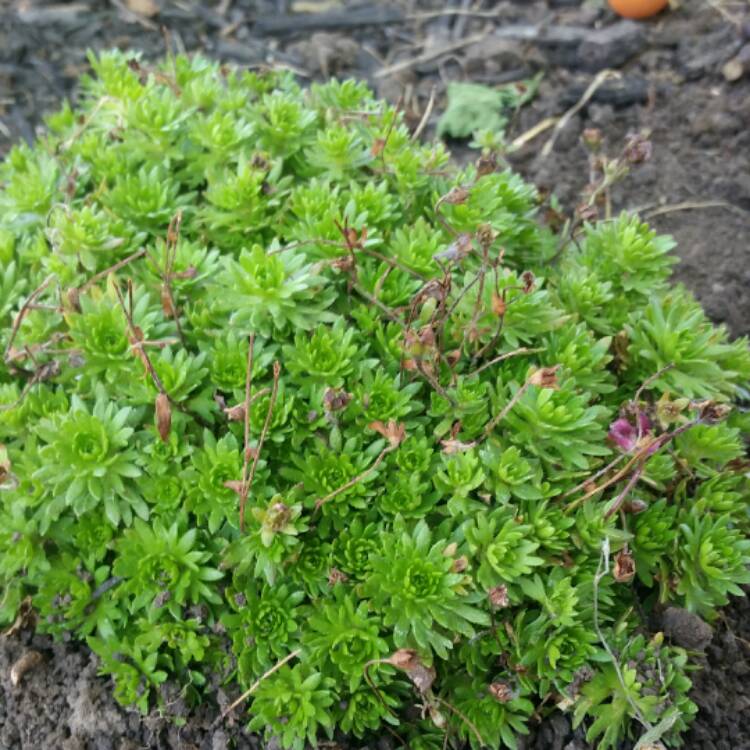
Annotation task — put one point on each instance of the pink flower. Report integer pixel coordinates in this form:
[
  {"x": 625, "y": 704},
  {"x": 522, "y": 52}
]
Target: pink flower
[{"x": 624, "y": 434}]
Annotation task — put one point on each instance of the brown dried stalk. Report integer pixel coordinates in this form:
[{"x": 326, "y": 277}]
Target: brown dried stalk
[
  {"x": 170, "y": 254},
  {"x": 136, "y": 336},
  {"x": 22, "y": 314},
  {"x": 112, "y": 269},
  {"x": 356, "y": 480},
  {"x": 275, "y": 668},
  {"x": 638, "y": 460},
  {"x": 246, "y": 486},
  {"x": 502, "y": 357}
]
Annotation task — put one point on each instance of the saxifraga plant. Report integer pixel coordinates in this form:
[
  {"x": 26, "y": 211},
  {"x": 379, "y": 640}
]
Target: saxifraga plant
[{"x": 290, "y": 402}]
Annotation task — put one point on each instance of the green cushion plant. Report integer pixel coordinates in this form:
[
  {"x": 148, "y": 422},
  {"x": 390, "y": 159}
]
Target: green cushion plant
[{"x": 291, "y": 402}]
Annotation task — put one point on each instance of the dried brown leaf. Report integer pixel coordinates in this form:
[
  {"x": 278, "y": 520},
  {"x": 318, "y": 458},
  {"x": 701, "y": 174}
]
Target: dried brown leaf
[
  {"x": 163, "y": 416},
  {"x": 166, "y": 302},
  {"x": 499, "y": 305},
  {"x": 25, "y": 619},
  {"x": 624, "y": 567},
  {"x": 451, "y": 446},
  {"x": 545, "y": 377},
  {"x": 24, "y": 664},
  {"x": 498, "y": 596},
  {"x": 501, "y": 692},
  {"x": 235, "y": 413},
  {"x": 420, "y": 675},
  {"x": 394, "y": 432}
]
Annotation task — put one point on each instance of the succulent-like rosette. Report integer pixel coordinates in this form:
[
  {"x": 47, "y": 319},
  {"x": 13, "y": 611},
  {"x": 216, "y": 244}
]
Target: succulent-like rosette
[
  {"x": 264, "y": 624},
  {"x": 713, "y": 561},
  {"x": 294, "y": 705},
  {"x": 504, "y": 546},
  {"x": 497, "y": 709},
  {"x": 164, "y": 567},
  {"x": 208, "y": 480},
  {"x": 413, "y": 582},
  {"x": 88, "y": 461},
  {"x": 326, "y": 357},
  {"x": 355, "y": 547},
  {"x": 346, "y": 635},
  {"x": 273, "y": 291}
]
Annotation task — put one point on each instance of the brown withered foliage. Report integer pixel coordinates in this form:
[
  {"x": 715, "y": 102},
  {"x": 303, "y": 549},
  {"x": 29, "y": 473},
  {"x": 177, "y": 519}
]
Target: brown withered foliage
[
  {"x": 163, "y": 416},
  {"x": 624, "y": 567}
]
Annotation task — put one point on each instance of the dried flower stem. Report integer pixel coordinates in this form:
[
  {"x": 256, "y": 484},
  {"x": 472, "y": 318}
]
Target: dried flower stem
[
  {"x": 275, "y": 668},
  {"x": 502, "y": 357},
  {"x": 375, "y": 301},
  {"x": 356, "y": 480},
  {"x": 602, "y": 570},
  {"x": 640, "y": 458},
  {"x": 137, "y": 344},
  {"x": 593, "y": 477},
  {"x": 394, "y": 263},
  {"x": 433, "y": 381},
  {"x": 246, "y": 444},
  {"x": 463, "y": 718},
  {"x": 112, "y": 269},
  {"x": 25, "y": 392},
  {"x": 517, "y": 396},
  {"x": 22, "y": 314},
  {"x": 426, "y": 116},
  {"x": 374, "y": 688},
  {"x": 246, "y": 486},
  {"x": 651, "y": 379},
  {"x": 620, "y": 499},
  {"x": 170, "y": 254}
]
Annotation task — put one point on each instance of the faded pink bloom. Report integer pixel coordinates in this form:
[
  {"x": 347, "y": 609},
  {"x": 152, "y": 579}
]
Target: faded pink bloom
[{"x": 624, "y": 434}]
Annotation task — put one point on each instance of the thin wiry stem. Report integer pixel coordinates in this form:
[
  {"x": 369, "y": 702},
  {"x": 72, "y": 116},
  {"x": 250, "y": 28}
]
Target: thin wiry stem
[
  {"x": 517, "y": 396},
  {"x": 507, "y": 355},
  {"x": 22, "y": 313},
  {"x": 275, "y": 668},
  {"x": 463, "y": 718},
  {"x": 246, "y": 444},
  {"x": 137, "y": 343},
  {"x": 593, "y": 477},
  {"x": 601, "y": 571},
  {"x": 112, "y": 269},
  {"x": 356, "y": 480},
  {"x": 266, "y": 424}
]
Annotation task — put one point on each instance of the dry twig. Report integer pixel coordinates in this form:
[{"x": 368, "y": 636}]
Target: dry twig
[
  {"x": 22, "y": 314},
  {"x": 429, "y": 55},
  {"x": 246, "y": 486},
  {"x": 275, "y": 668},
  {"x": 599, "y": 79}
]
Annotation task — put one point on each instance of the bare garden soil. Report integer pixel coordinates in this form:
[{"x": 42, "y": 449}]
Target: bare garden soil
[{"x": 696, "y": 187}]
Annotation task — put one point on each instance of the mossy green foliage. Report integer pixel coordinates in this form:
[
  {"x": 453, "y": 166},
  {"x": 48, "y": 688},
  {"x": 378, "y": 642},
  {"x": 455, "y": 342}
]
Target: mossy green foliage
[{"x": 435, "y": 377}]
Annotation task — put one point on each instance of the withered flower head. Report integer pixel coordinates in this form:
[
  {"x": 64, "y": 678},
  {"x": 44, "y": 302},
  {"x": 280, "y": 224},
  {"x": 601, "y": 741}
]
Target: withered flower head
[
  {"x": 498, "y": 596},
  {"x": 394, "y": 432},
  {"x": 638, "y": 148},
  {"x": 501, "y": 692},
  {"x": 624, "y": 568},
  {"x": 336, "y": 399},
  {"x": 592, "y": 138},
  {"x": 456, "y": 195},
  {"x": 712, "y": 412},
  {"x": 545, "y": 377}
]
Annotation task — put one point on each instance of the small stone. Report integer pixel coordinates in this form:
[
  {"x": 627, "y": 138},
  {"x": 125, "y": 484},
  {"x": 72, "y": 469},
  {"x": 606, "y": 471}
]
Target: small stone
[
  {"x": 611, "y": 46},
  {"x": 686, "y": 629}
]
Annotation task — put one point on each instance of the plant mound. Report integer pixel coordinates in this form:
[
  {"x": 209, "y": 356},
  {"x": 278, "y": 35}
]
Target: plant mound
[{"x": 290, "y": 402}]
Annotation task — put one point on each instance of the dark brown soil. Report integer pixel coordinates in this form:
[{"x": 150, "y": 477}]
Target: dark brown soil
[{"x": 671, "y": 84}]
